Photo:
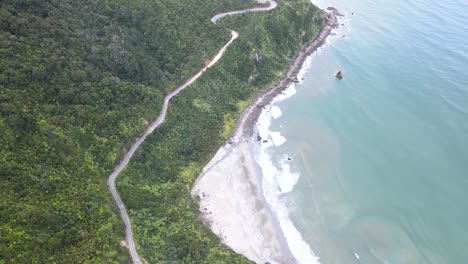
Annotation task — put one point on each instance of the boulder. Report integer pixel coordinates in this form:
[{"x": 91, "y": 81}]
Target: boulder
[
  {"x": 255, "y": 57},
  {"x": 339, "y": 75}
]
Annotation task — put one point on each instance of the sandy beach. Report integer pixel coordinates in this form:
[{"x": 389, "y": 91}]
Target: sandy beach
[
  {"x": 233, "y": 205},
  {"x": 229, "y": 190}
]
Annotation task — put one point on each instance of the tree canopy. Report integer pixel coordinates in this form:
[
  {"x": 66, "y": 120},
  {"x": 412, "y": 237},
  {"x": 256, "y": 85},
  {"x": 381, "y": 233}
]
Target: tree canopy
[{"x": 79, "y": 80}]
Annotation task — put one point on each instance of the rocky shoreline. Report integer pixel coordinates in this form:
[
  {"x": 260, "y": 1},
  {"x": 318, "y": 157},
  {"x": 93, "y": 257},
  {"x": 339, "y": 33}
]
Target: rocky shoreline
[
  {"x": 245, "y": 124},
  {"x": 234, "y": 206}
]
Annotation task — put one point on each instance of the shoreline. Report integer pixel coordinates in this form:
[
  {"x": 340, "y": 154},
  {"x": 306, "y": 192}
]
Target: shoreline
[
  {"x": 129, "y": 241},
  {"x": 249, "y": 226},
  {"x": 230, "y": 191},
  {"x": 246, "y": 122}
]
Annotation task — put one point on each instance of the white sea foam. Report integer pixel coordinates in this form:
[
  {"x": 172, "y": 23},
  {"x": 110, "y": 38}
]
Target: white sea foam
[
  {"x": 277, "y": 138},
  {"x": 275, "y": 112},
  {"x": 280, "y": 179},
  {"x": 275, "y": 183},
  {"x": 288, "y": 92},
  {"x": 286, "y": 179}
]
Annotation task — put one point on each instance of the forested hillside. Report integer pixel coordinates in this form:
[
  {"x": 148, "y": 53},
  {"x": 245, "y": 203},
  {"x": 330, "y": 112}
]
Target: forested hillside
[
  {"x": 78, "y": 81},
  {"x": 156, "y": 185}
]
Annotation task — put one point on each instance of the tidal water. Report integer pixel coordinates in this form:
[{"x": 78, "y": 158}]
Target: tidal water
[{"x": 376, "y": 164}]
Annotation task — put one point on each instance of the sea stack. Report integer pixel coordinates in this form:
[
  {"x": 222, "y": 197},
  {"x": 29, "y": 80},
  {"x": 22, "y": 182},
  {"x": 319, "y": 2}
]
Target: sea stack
[{"x": 339, "y": 75}]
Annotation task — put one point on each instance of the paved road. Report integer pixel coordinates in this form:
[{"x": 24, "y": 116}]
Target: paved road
[
  {"x": 272, "y": 5},
  {"x": 159, "y": 120}
]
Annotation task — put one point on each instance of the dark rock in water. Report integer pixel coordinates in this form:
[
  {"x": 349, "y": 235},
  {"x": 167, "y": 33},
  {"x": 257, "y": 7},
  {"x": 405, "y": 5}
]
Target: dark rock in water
[
  {"x": 265, "y": 141},
  {"x": 339, "y": 75},
  {"x": 352, "y": 14},
  {"x": 289, "y": 158},
  {"x": 259, "y": 138},
  {"x": 334, "y": 11},
  {"x": 295, "y": 80}
]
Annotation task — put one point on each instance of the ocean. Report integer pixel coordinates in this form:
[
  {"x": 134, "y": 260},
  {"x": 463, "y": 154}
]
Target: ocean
[{"x": 373, "y": 168}]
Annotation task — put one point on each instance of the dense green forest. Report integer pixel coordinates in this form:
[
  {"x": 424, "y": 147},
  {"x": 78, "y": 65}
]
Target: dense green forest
[
  {"x": 79, "y": 80},
  {"x": 156, "y": 184}
]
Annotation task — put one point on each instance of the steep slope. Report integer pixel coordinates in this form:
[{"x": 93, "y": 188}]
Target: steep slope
[
  {"x": 156, "y": 184},
  {"x": 78, "y": 82}
]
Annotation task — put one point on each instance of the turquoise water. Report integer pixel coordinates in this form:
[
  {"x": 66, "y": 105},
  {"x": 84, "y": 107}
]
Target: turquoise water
[{"x": 383, "y": 154}]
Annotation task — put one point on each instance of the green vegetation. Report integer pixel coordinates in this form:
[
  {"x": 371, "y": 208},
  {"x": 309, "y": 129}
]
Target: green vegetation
[
  {"x": 156, "y": 185},
  {"x": 78, "y": 82}
]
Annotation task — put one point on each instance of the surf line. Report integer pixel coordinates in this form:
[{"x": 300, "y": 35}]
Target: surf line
[{"x": 156, "y": 123}]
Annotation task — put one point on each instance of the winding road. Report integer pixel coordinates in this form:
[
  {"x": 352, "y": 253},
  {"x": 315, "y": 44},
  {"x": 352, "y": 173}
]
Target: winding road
[{"x": 160, "y": 119}]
